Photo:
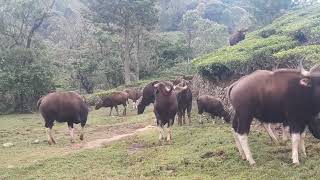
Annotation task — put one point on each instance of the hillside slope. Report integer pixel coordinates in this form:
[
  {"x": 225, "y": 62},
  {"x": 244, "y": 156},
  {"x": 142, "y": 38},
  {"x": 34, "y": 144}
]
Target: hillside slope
[{"x": 283, "y": 43}]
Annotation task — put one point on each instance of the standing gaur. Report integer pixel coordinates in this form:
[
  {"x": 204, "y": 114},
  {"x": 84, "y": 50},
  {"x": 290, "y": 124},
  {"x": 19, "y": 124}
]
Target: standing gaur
[
  {"x": 184, "y": 98},
  {"x": 165, "y": 107},
  {"x": 134, "y": 95},
  {"x": 113, "y": 100},
  {"x": 213, "y": 106},
  {"x": 147, "y": 96},
  {"x": 67, "y": 107},
  {"x": 284, "y": 95},
  {"x": 237, "y": 37}
]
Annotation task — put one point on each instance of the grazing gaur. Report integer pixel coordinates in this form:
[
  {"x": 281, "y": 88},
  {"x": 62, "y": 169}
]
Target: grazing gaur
[
  {"x": 237, "y": 37},
  {"x": 184, "y": 98},
  {"x": 284, "y": 95},
  {"x": 113, "y": 100},
  {"x": 165, "y": 107},
  {"x": 134, "y": 95},
  {"x": 213, "y": 106},
  {"x": 63, "y": 107},
  {"x": 147, "y": 96}
]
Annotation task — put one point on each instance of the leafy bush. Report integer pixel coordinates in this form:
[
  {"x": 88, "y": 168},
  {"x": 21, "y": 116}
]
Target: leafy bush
[
  {"x": 287, "y": 40},
  {"x": 25, "y": 75}
]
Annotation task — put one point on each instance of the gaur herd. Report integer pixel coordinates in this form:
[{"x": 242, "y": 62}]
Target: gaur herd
[{"x": 287, "y": 96}]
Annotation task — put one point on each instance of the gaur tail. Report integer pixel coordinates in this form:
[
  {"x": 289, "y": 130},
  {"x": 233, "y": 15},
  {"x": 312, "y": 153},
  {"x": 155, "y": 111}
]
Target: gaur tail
[
  {"x": 39, "y": 102},
  {"x": 226, "y": 116}
]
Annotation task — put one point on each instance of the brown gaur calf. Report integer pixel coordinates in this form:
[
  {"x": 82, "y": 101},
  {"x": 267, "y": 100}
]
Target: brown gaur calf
[
  {"x": 213, "y": 106},
  {"x": 184, "y": 98},
  {"x": 134, "y": 95},
  {"x": 63, "y": 107},
  {"x": 113, "y": 100}
]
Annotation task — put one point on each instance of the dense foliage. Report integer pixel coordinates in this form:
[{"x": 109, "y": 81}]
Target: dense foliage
[
  {"x": 290, "y": 38},
  {"x": 94, "y": 45}
]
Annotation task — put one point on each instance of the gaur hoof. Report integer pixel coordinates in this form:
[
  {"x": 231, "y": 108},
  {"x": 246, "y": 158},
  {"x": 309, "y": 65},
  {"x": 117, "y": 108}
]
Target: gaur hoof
[
  {"x": 295, "y": 163},
  {"x": 72, "y": 141},
  {"x": 81, "y": 137},
  {"x": 52, "y": 141},
  {"x": 252, "y": 163}
]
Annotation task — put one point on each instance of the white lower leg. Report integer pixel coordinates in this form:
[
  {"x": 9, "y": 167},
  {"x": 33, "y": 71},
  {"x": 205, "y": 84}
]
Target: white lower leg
[
  {"x": 238, "y": 145},
  {"x": 133, "y": 105},
  {"x": 49, "y": 136},
  {"x": 71, "y": 131},
  {"x": 161, "y": 131},
  {"x": 302, "y": 145},
  {"x": 82, "y": 134},
  {"x": 285, "y": 133},
  {"x": 243, "y": 139},
  {"x": 295, "y": 138},
  {"x": 200, "y": 119},
  {"x": 267, "y": 126},
  {"x": 169, "y": 136}
]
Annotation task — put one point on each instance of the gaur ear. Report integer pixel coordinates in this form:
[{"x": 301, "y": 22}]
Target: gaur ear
[{"x": 306, "y": 82}]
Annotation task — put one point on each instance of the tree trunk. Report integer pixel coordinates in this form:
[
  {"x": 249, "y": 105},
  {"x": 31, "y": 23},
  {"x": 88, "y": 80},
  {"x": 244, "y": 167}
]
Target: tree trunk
[
  {"x": 126, "y": 62},
  {"x": 138, "y": 57}
]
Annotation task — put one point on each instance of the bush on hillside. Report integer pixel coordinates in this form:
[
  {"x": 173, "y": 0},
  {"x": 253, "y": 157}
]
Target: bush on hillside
[{"x": 281, "y": 44}]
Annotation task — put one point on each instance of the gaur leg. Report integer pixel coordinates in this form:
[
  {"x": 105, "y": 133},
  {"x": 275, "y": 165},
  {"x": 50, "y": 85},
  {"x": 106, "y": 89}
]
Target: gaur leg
[
  {"x": 184, "y": 115},
  {"x": 82, "y": 131},
  {"x": 235, "y": 126},
  {"x": 296, "y": 129},
  {"x": 213, "y": 119},
  {"x": 296, "y": 137},
  {"x": 242, "y": 131},
  {"x": 133, "y": 104},
  {"x": 302, "y": 145},
  {"x": 170, "y": 123},
  {"x": 71, "y": 131},
  {"x": 49, "y": 125},
  {"x": 116, "y": 107},
  {"x": 189, "y": 113},
  {"x": 110, "y": 110},
  {"x": 179, "y": 118},
  {"x": 267, "y": 126},
  {"x": 285, "y": 133},
  {"x": 124, "y": 109},
  {"x": 160, "y": 126}
]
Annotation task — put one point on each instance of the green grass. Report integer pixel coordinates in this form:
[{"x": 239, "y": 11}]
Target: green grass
[{"x": 141, "y": 156}]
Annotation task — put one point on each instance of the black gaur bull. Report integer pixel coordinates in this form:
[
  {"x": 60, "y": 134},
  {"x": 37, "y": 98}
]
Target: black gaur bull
[
  {"x": 213, "y": 106},
  {"x": 237, "y": 37},
  {"x": 184, "y": 98},
  {"x": 166, "y": 106},
  {"x": 147, "y": 96},
  {"x": 67, "y": 107},
  {"x": 284, "y": 95}
]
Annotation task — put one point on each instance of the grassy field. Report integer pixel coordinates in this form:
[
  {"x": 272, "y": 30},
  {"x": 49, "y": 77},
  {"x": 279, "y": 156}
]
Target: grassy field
[{"x": 197, "y": 152}]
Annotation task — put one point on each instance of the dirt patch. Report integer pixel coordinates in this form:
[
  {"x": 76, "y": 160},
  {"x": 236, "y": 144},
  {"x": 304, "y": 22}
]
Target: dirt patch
[
  {"x": 116, "y": 134},
  {"x": 210, "y": 154},
  {"x": 136, "y": 147}
]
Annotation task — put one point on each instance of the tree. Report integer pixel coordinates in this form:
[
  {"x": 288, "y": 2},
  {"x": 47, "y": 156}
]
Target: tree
[
  {"x": 25, "y": 74},
  {"x": 20, "y": 19},
  {"x": 121, "y": 18}
]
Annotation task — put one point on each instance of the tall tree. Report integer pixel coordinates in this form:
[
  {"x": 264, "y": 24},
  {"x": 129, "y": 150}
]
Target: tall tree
[
  {"x": 20, "y": 19},
  {"x": 122, "y": 17}
]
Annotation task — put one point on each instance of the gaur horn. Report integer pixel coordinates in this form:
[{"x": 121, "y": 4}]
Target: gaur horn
[
  {"x": 302, "y": 70},
  {"x": 167, "y": 89}
]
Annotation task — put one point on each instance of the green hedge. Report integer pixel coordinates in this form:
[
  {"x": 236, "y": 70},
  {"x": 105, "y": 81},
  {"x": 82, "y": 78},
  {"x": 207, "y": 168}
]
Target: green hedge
[{"x": 288, "y": 39}]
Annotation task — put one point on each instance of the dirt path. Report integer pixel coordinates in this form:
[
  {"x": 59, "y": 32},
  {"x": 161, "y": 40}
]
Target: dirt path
[{"x": 115, "y": 136}]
